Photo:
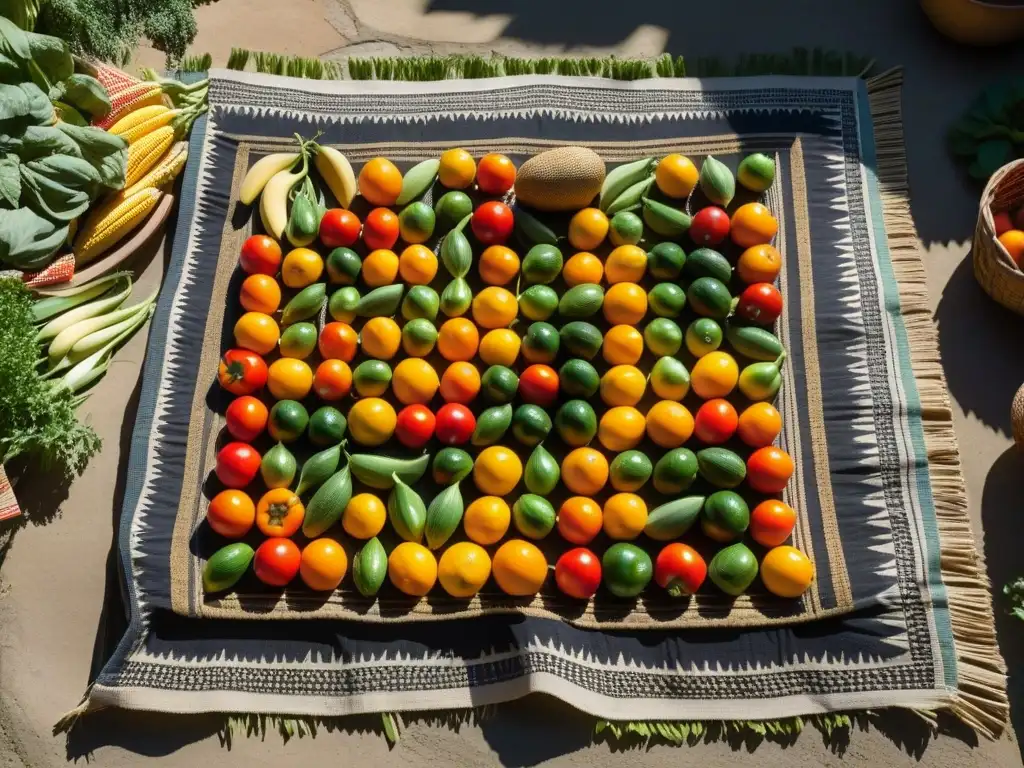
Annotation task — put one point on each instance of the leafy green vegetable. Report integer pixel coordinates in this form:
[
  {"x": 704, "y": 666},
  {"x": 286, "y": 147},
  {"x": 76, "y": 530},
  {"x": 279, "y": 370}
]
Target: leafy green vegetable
[
  {"x": 1015, "y": 591},
  {"x": 52, "y": 56},
  {"x": 51, "y": 199},
  {"x": 39, "y": 107},
  {"x": 13, "y": 102},
  {"x": 36, "y": 419},
  {"x": 22, "y": 12},
  {"x": 27, "y": 240},
  {"x": 41, "y": 140},
  {"x": 13, "y": 41},
  {"x": 107, "y": 152},
  {"x": 10, "y": 181},
  {"x": 83, "y": 92}
]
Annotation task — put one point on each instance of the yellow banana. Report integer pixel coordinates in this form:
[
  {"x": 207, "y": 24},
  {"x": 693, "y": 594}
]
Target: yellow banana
[
  {"x": 336, "y": 170},
  {"x": 274, "y": 201},
  {"x": 258, "y": 176}
]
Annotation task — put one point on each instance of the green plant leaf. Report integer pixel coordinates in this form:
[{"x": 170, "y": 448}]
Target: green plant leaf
[
  {"x": 13, "y": 102},
  {"x": 52, "y": 56},
  {"x": 39, "y": 107},
  {"x": 962, "y": 145},
  {"x": 50, "y": 198},
  {"x": 992, "y": 155},
  {"x": 85, "y": 93},
  {"x": 27, "y": 240},
  {"x": 10, "y": 181},
  {"x": 13, "y": 41},
  {"x": 107, "y": 153}
]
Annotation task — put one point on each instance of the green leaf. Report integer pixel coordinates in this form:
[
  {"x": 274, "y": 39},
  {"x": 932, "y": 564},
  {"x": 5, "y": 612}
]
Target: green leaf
[
  {"x": 39, "y": 107},
  {"x": 86, "y": 94},
  {"x": 52, "y": 56},
  {"x": 107, "y": 153},
  {"x": 14, "y": 102},
  {"x": 13, "y": 41},
  {"x": 10, "y": 181},
  {"x": 962, "y": 144},
  {"x": 993, "y": 155},
  {"x": 51, "y": 199},
  {"x": 39, "y": 141},
  {"x": 71, "y": 172},
  {"x": 27, "y": 239}
]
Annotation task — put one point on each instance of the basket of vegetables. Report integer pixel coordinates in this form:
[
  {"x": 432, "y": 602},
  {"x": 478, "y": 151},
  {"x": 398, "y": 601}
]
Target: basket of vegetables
[{"x": 999, "y": 237}]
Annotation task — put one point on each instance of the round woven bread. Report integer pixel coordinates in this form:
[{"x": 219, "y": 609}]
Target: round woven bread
[
  {"x": 562, "y": 179},
  {"x": 1017, "y": 417}
]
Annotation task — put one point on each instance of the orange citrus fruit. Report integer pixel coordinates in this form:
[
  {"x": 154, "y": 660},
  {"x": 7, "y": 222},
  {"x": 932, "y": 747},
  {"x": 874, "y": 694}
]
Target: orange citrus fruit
[
  {"x": 463, "y": 569},
  {"x": 338, "y": 341},
  {"x": 623, "y": 385},
  {"x": 417, "y": 265},
  {"x": 414, "y": 381},
  {"x": 519, "y": 568},
  {"x": 380, "y": 182},
  {"x": 257, "y": 332},
  {"x": 588, "y": 229},
  {"x": 497, "y": 470},
  {"x": 625, "y": 264},
  {"x": 323, "y": 564},
  {"x": 458, "y": 339},
  {"x": 787, "y": 572},
  {"x": 759, "y": 264},
  {"x": 260, "y": 293},
  {"x": 457, "y": 169},
  {"x": 676, "y": 176},
  {"x": 759, "y": 425},
  {"x": 623, "y": 345},
  {"x": 714, "y": 375},
  {"x": 380, "y": 268},
  {"x": 669, "y": 424},
  {"x": 487, "y": 519},
  {"x": 579, "y": 520},
  {"x": 301, "y": 267},
  {"x": 412, "y": 568},
  {"x": 332, "y": 380},
  {"x": 625, "y": 515},
  {"x": 583, "y": 267},
  {"x": 585, "y": 471},
  {"x": 752, "y": 224},
  {"x": 496, "y": 174},
  {"x": 1013, "y": 242},
  {"x": 500, "y": 347},
  {"x": 498, "y": 265},
  {"x": 624, "y": 304},
  {"x": 460, "y": 383},
  {"x": 621, "y": 428},
  {"x": 381, "y": 338},
  {"x": 494, "y": 307},
  {"x": 289, "y": 379}
]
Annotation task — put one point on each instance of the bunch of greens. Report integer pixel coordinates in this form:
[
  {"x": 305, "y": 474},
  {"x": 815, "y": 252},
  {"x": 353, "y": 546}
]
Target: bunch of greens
[
  {"x": 50, "y": 170},
  {"x": 1015, "y": 591},
  {"x": 36, "y": 418},
  {"x": 110, "y": 29},
  {"x": 991, "y": 132}
]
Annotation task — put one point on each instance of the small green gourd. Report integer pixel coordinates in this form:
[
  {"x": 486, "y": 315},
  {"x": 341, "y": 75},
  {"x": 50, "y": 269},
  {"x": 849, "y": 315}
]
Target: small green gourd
[
  {"x": 443, "y": 516},
  {"x": 406, "y": 510},
  {"x": 327, "y": 504}
]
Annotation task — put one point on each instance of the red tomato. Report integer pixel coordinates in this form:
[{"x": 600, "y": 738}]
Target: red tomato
[
  {"x": 492, "y": 222},
  {"x": 415, "y": 425},
  {"x": 339, "y": 228},
  {"x": 495, "y": 174},
  {"x": 539, "y": 385},
  {"x": 1018, "y": 218},
  {"x": 237, "y": 464},
  {"x": 381, "y": 230},
  {"x": 680, "y": 570},
  {"x": 760, "y": 303},
  {"x": 1002, "y": 222},
  {"x": 710, "y": 226},
  {"x": 578, "y": 573},
  {"x": 231, "y": 513},
  {"x": 261, "y": 255},
  {"x": 716, "y": 422},
  {"x": 277, "y": 561},
  {"x": 242, "y": 372},
  {"x": 769, "y": 469},
  {"x": 455, "y": 424},
  {"x": 246, "y": 418}
]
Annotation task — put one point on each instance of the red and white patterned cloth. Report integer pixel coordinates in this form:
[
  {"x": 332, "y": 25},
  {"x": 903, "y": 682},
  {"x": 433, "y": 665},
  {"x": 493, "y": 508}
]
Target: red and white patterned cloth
[{"x": 60, "y": 270}]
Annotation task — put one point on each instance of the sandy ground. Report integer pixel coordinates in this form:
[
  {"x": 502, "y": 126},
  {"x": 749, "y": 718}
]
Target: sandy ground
[{"x": 57, "y": 580}]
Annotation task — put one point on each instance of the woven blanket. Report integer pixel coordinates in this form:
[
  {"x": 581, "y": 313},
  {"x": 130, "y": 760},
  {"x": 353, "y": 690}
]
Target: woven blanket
[{"x": 899, "y": 613}]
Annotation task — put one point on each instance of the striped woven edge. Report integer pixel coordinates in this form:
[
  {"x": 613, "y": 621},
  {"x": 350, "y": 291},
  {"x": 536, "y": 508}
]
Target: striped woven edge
[{"x": 8, "y": 504}]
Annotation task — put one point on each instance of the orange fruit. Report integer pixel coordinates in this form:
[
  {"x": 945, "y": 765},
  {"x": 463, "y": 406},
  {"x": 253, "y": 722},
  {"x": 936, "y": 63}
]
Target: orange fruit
[
  {"x": 380, "y": 268},
  {"x": 519, "y": 568},
  {"x": 498, "y": 265},
  {"x": 463, "y": 569},
  {"x": 364, "y": 516},
  {"x": 289, "y": 379},
  {"x": 584, "y": 267},
  {"x": 759, "y": 264},
  {"x": 623, "y": 345},
  {"x": 769, "y": 469},
  {"x": 380, "y": 230},
  {"x": 497, "y": 471},
  {"x": 494, "y": 307},
  {"x": 338, "y": 341},
  {"x": 457, "y": 169},
  {"x": 759, "y": 425},
  {"x": 301, "y": 267},
  {"x": 381, "y": 338},
  {"x": 625, "y": 264},
  {"x": 752, "y": 224},
  {"x": 787, "y": 572},
  {"x": 414, "y": 381},
  {"x": 714, "y": 375},
  {"x": 623, "y": 385},
  {"x": 417, "y": 265},
  {"x": 588, "y": 229},
  {"x": 500, "y": 347},
  {"x": 1013, "y": 242},
  {"x": 669, "y": 424},
  {"x": 585, "y": 471},
  {"x": 412, "y": 568},
  {"x": 260, "y": 293},
  {"x": 332, "y": 380},
  {"x": 380, "y": 181},
  {"x": 624, "y": 304},
  {"x": 460, "y": 383},
  {"x": 676, "y": 176},
  {"x": 771, "y": 522},
  {"x": 625, "y": 515},
  {"x": 323, "y": 564},
  {"x": 458, "y": 339},
  {"x": 579, "y": 520},
  {"x": 371, "y": 421},
  {"x": 621, "y": 428},
  {"x": 257, "y": 332},
  {"x": 496, "y": 174},
  {"x": 487, "y": 520}
]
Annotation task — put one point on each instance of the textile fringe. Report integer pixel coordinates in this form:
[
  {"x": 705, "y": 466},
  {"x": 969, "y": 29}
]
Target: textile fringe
[{"x": 980, "y": 699}]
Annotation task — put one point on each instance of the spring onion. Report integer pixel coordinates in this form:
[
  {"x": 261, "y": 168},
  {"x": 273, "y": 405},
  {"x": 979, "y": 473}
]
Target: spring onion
[
  {"x": 66, "y": 339},
  {"x": 84, "y": 312},
  {"x": 95, "y": 340},
  {"x": 90, "y": 369},
  {"x": 57, "y": 303}
]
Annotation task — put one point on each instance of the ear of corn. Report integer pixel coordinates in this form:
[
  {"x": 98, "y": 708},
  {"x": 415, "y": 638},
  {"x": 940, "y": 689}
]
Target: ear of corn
[
  {"x": 144, "y": 153},
  {"x": 130, "y": 99},
  {"x": 149, "y": 126},
  {"x": 137, "y": 117},
  {"x": 110, "y": 223},
  {"x": 165, "y": 171}
]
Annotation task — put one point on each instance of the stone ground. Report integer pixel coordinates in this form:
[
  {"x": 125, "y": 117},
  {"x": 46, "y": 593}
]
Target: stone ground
[{"x": 57, "y": 566}]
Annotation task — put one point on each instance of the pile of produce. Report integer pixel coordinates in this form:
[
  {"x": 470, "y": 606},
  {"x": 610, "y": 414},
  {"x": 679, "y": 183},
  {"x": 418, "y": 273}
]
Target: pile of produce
[
  {"x": 628, "y": 376},
  {"x": 52, "y": 349},
  {"x": 1009, "y": 227}
]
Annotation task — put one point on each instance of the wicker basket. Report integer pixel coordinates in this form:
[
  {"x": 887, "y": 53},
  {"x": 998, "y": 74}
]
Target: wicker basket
[
  {"x": 1017, "y": 418},
  {"x": 1001, "y": 278}
]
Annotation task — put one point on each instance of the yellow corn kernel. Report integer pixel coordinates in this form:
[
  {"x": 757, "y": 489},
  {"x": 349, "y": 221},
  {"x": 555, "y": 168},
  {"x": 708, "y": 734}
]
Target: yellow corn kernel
[
  {"x": 131, "y": 100},
  {"x": 144, "y": 153},
  {"x": 165, "y": 171},
  {"x": 149, "y": 126},
  {"x": 137, "y": 117},
  {"x": 109, "y": 224}
]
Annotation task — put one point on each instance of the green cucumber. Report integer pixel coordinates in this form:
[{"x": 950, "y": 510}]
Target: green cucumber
[
  {"x": 753, "y": 342},
  {"x": 708, "y": 296},
  {"x": 530, "y": 230},
  {"x": 380, "y": 302},
  {"x": 318, "y": 468},
  {"x": 305, "y": 304},
  {"x": 327, "y": 504},
  {"x": 226, "y": 567},
  {"x": 721, "y": 467},
  {"x": 670, "y": 521},
  {"x": 492, "y": 424},
  {"x": 443, "y": 516},
  {"x": 370, "y": 567},
  {"x": 706, "y": 262},
  {"x": 406, "y": 510}
]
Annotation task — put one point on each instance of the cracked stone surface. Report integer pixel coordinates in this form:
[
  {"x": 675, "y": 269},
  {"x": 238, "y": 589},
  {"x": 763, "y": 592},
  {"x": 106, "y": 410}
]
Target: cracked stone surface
[{"x": 56, "y": 579}]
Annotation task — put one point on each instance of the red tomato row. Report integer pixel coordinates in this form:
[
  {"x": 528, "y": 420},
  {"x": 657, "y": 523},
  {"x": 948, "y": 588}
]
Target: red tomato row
[{"x": 678, "y": 568}]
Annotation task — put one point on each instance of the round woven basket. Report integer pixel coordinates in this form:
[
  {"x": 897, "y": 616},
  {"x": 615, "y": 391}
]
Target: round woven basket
[
  {"x": 1017, "y": 418},
  {"x": 1001, "y": 278}
]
